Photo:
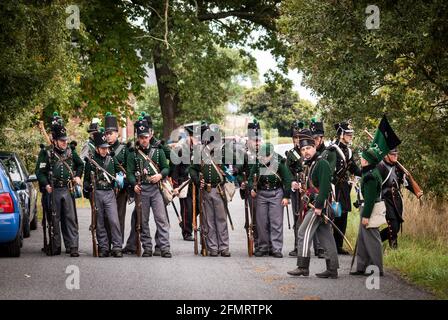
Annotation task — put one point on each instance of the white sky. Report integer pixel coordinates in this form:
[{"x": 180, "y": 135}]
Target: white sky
[{"x": 266, "y": 61}]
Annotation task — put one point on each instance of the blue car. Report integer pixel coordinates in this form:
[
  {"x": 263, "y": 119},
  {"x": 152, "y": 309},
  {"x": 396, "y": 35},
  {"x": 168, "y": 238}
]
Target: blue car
[{"x": 11, "y": 216}]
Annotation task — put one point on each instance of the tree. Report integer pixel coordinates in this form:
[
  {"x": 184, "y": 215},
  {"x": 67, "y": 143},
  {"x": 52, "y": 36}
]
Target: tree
[
  {"x": 37, "y": 66},
  {"x": 182, "y": 41},
  {"x": 277, "y": 104},
  {"x": 360, "y": 73}
]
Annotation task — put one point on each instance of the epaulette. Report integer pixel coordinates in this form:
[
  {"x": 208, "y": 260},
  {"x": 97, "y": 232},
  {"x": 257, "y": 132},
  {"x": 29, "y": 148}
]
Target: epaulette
[{"x": 73, "y": 145}]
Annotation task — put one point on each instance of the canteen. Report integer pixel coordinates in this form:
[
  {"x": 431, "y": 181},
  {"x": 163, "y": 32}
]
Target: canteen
[
  {"x": 119, "y": 183},
  {"x": 337, "y": 209}
]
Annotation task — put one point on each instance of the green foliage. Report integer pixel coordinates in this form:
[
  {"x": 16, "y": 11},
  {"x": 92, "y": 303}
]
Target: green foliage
[
  {"x": 108, "y": 47},
  {"x": 400, "y": 69},
  {"x": 276, "y": 104},
  {"x": 37, "y": 65}
]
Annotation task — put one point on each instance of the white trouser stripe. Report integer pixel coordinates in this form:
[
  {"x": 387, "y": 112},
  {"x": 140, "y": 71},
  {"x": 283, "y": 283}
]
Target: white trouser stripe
[{"x": 307, "y": 235}]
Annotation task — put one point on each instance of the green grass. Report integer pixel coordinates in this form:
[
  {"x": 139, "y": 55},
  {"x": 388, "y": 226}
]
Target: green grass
[{"x": 423, "y": 262}]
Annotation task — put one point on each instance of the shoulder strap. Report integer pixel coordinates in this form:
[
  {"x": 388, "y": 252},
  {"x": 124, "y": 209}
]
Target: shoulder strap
[
  {"x": 218, "y": 170},
  {"x": 149, "y": 160},
  {"x": 339, "y": 151},
  {"x": 388, "y": 175},
  {"x": 62, "y": 160},
  {"x": 119, "y": 149}
]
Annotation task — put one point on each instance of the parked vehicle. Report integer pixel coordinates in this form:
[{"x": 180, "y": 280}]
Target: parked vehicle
[
  {"x": 23, "y": 183},
  {"x": 11, "y": 215}
]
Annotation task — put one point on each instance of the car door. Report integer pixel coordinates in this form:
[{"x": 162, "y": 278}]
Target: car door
[{"x": 32, "y": 192}]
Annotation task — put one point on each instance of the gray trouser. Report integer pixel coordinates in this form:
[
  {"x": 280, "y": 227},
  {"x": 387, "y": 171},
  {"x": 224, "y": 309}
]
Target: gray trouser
[
  {"x": 270, "y": 220},
  {"x": 107, "y": 207},
  {"x": 294, "y": 204},
  {"x": 369, "y": 250},
  {"x": 152, "y": 198},
  {"x": 122, "y": 198},
  {"x": 311, "y": 225},
  {"x": 215, "y": 219},
  {"x": 65, "y": 214}
]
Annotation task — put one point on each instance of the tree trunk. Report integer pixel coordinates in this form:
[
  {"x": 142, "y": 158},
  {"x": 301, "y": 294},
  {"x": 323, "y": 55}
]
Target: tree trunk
[{"x": 168, "y": 95}]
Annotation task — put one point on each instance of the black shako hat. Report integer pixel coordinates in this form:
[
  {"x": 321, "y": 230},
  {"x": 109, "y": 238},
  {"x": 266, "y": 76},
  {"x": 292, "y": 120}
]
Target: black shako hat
[
  {"x": 306, "y": 138},
  {"x": 110, "y": 122},
  {"x": 99, "y": 138},
  {"x": 317, "y": 128},
  {"x": 58, "y": 132}
]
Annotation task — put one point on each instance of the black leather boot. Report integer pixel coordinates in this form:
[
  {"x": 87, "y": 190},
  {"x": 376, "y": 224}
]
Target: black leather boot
[
  {"x": 331, "y": 273},
  {"x": 303, "y": 267}
]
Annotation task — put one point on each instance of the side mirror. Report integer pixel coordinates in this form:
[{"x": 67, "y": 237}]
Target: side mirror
[
  {"x": 19, "y": 185},
  {"x": 31, "y": 178}
]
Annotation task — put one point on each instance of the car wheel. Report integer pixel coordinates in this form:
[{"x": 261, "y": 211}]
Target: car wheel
[
  {"x": 13, "y": 248},
  {"x": 34, "y": 222},
  {"x": 26, "y": 225}
]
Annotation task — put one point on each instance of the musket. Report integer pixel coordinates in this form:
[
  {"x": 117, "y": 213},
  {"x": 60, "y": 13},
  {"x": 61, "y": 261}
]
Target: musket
[
  {"x": 94, "y": 212},
  {"x": 182, "y": 186},
  {"x": 287, "y": 215},
  {"x": 195, "y": 221},
  {"x": 202, "y": 219},
  {"x": 335, "y": 227},
  {"x": 247, "y": 224},
  {"x": 138, "y": 221},
  {"x": 415, "y": 187},
  {"x": 44, "y": 223},
  {"x": 52, "y": 206},
  {"x": 176, "y": 212},
  {"x": 255, "y": 187}
]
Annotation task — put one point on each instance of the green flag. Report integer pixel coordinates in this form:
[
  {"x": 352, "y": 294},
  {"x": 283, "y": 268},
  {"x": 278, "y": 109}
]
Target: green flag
[{"x": 385, "y": 138}]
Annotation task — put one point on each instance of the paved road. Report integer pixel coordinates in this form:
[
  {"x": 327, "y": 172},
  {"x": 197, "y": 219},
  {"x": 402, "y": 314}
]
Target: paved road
[{"x": 185, "y": 276}]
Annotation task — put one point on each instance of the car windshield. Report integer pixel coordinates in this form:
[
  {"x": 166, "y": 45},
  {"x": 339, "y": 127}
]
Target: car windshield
[{"x": 13, "y": 169}]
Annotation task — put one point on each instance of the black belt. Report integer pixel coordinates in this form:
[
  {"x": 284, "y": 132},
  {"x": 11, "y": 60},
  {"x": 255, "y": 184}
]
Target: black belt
[
  {"x": 60, "y": 184},
  {"x": 104, "y": 185},
  {"x": 269, "y": 186}
]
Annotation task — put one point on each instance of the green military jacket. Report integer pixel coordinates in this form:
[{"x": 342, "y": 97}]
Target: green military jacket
[
  {"x": 281, "y": 178},
  {"x": 319, "y": 177},
  {"x": 121, "y": 152},
  {"x": 371, "y": 182},
  {"x": 48, "y": 163},
  {"x": 250, "y": 161},
  {"x": 210, "y": 174},
  {"x": 109, "y": 163},
  {"x": 137, "y": 163}
]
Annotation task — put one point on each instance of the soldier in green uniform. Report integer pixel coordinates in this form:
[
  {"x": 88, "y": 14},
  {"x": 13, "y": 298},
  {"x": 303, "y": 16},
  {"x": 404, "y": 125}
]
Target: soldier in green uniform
[
  {"x": 150, "y": 163},
  {"x": 120, "y": 151},
  {"x": 179, "y": 172},
  {"x": 212, "y": 170},
  {"x": 59, "y": 169},
  {"x": 250, "y": 159},
  {"x": 88, "y": 148},
  {"x": 295, "y": 165},
  {"x": 272, "y": 192},
  {"x": 104, "y": 168},
  {"x": 318, "y": 187},
  {"x": 369, "y": 247},
  {"x": 393, "y": 179},
  {"x": 340, "y": 157}
]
